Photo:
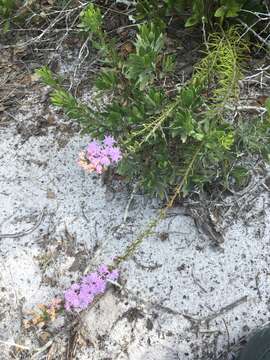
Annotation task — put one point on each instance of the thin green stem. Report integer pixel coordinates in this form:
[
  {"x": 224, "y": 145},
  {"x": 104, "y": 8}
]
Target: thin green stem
[
  {"x": 154, "y": 125},
  {"x": 130, "y": 250}
]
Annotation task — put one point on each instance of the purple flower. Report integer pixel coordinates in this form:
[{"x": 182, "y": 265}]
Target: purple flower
[
  {"x": 75, "y": 287},
  {"x": 95, "y": 161},
  {"x": 85, "y": 296},
  {"x": 71, "y": 298},
  {"x": 93, "y": 148},
  {"x": 103, "y": 270},
  {"x": 115, "y": 154},
  {"x": 100, "y": 155},
  {"x": 99, "y": 169},
  {"x": 99, "y": 286},
  {"x": 109, "y": 141},
  {"x": 104, "y": 160},
  {"x": 90, "y": 278},
  {"x": 82, "y": 294},
  {"x": 113, "y": 276}
]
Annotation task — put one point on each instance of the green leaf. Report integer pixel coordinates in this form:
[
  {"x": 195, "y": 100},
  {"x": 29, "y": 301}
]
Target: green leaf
[
  {"x": 226, "y": 140},
  {"x": 48, "y": 77},
  {"x": 231, "y": 8},
  {"x": 91, "y": 19},
  {"x": 63, "y": 98},
  {"x": 191, "y": 21},
  {"x": 107, "y": 80},
  {"x": 221, "y": 11},
  {"x": 152, "y": 100},
  {"x": 6, "y": 26},
  {"x": 188, "y": 97},
  {"x": 233, "y": 11},
  {"x": 168, "y": 63},
  {"x": 240, "y": 174}
]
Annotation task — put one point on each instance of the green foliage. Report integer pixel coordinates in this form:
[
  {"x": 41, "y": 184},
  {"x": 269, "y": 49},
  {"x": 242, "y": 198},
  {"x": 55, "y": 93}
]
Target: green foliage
[
  {"x": 253, "y": 137},
  {"x": 216, "y": 9},
  {"x": 107, "y": 80},
  {"x": 165, "y": 141},
  {"x": 91, "y": 20},
  {"x": 141, "y": 67},
  {"x": 7, "y": 7},
  {"x": 221, "y": 69},
  {"x": 91, "y": 24},
  {"x": 208, "y": 11},
  {"x": 155, "y": 9},
  {"x": 62, "y": 98},
  {"x": 229, "y": 8},
  {"x": 48, "y": 78},
  {"x": 198, "y": 12},
  {"x": 267, "y": 105}
]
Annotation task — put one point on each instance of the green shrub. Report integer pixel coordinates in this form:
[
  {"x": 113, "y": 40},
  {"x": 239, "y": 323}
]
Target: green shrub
[{"x": 164, "y": 140}]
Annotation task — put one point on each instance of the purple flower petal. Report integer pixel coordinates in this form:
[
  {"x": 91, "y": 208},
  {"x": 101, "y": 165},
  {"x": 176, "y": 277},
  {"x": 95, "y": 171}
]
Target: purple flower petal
[
  {"x": 109, "y": 141},
  {"x": 99, "y": 169},
  {"x": 93, "y": 148},
  {"x": 115, "y": 154},
  {"x": 99, "y": 287},
  {"x": 103, "y": 270},
  {"x": 113, "y": 275},
  {"x": 104, "y": 160},
  {"x": 75, "y": 287}
]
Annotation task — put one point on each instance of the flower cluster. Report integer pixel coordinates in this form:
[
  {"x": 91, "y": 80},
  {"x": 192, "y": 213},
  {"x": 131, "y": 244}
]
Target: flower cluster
[
  {"x": 99, "y": 155},
  {"x": 80, "y": 295}
]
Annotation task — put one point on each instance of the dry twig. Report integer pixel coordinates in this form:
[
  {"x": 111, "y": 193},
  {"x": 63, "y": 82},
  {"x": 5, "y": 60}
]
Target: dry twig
[{"x": 26, "y": 232}]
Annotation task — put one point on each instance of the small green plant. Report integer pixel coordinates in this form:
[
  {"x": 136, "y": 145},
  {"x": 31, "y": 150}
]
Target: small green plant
[
  {"x": 7, "y": 7},
  {"x": 91, "y": 24},
  {"x": 166, "y": 141},
  {"x": 209, "y": 11},
  {"x": 221, "y": 68}
]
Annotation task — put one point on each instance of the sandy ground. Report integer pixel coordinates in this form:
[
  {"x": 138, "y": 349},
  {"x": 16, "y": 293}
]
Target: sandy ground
[{"x": 181, "y": 297}]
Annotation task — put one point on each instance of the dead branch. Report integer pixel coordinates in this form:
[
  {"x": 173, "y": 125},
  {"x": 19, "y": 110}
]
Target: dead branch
[
  {"x": 26, "y": 232},
  {"x": 12, "y": 344},
  {"x": 225, "y": 309},
  {"x": 259, "y": 37}
]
